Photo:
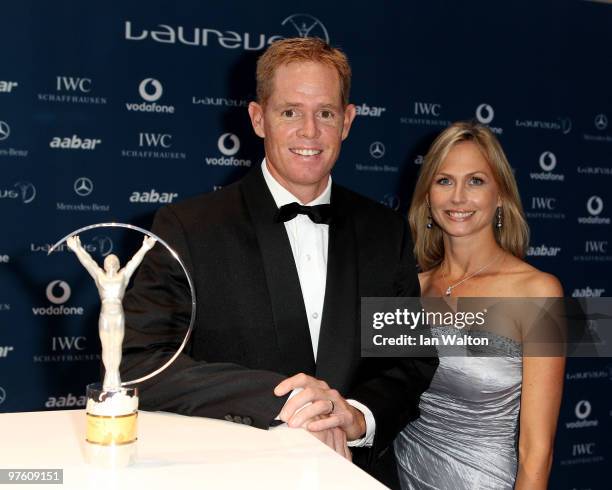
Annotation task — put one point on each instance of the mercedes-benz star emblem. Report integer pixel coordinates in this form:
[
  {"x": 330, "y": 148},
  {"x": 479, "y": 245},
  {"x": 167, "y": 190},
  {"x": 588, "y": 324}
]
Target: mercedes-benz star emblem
[
  {"x": 5, "y": 130},
  {"x": 83, "y": 186},
  {"x": 2, "y": 395},
  {"x": 601, "y": 121},
  {"x": 377, "y": 150}
]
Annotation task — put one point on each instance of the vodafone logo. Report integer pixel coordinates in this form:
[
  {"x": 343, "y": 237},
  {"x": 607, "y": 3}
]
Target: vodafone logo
[
  {"x": 150, "y": 89},
  {"x": 595, "y": 205},
  {"x": 582, "y": 410},
  {"x": 485, "y": 113},
  {"x": 548, "y": 161},
  {"x": 58, "y": 292},
  {"x": 231, "y": 148}
]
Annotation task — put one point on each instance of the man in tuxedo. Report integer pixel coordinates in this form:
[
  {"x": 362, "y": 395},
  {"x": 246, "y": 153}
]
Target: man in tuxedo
[{"x": 280, "y": 261}]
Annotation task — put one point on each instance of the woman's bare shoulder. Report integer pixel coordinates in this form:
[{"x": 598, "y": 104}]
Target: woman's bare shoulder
[{"x": 531, "y": 282}]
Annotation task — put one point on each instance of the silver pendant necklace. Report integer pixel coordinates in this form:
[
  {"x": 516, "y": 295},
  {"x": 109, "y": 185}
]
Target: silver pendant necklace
[{"x": 450, "y": 288}]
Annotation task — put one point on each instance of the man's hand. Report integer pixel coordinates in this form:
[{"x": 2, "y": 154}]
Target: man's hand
[
  {"x": 336, "y": 439},
  {"x": 320, "y": 400}
]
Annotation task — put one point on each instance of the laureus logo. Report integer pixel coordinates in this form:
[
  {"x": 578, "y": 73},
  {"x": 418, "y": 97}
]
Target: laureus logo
[
  {"x": 27, "y": 191},
  {"x": 150, "y": 89},
  {"x": 228, "y": 144},
  {"x": 306, "y": 25}
]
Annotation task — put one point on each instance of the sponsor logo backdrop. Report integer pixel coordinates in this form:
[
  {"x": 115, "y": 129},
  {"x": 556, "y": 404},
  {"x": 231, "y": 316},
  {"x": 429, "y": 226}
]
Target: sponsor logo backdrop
[{"x": 112, "y": 111}]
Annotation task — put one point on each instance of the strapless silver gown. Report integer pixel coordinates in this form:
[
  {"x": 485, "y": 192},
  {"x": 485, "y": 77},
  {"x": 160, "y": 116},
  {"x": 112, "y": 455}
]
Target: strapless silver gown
[{"x": 466, "y": 436}]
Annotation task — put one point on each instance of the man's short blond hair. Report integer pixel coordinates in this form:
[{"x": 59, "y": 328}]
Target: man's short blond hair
[{"x": 301, "y": 49}]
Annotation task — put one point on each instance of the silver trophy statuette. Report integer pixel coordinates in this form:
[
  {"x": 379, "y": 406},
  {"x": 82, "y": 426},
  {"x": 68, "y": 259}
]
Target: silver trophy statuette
[{"x": 111, "y": 282}]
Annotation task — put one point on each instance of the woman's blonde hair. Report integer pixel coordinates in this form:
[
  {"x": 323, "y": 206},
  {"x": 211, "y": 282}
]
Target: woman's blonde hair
[{"x": 512, "y": 237}]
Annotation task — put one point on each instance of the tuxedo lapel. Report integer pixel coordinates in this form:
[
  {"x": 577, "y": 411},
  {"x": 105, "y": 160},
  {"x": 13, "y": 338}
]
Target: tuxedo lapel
[
  {"x": 288, "y": 310},
  {"x": 339, "y": 325}
]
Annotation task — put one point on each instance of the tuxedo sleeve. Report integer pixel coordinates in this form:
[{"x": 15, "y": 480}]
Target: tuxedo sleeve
[
  {"x": 391, "y": 387},
  {"x": 158, "y": 308}
]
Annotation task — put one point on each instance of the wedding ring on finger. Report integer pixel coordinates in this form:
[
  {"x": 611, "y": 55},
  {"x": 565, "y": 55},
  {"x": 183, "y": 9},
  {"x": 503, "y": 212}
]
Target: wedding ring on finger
[{"x": 331, "y": 410}]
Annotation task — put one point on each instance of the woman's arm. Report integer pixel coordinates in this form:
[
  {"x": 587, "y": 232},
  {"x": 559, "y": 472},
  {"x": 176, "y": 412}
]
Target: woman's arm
[{"x": 540, "y": 402}]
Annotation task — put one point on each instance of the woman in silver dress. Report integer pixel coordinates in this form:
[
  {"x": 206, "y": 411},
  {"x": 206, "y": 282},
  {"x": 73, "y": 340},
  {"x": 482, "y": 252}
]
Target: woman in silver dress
[{"x": 486, "y": 422}]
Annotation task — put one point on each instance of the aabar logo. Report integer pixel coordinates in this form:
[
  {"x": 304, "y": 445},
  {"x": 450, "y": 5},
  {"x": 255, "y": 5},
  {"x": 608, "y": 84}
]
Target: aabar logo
[
  {"x": 543, "y": 251},
  {"x": 7, "y": 87},
  {"x": 66, "y": 401},
  {"x": 371, "y": 111},
  {"x": 5, "y": 349},
  {"x": 153, "y": 196},
  {"x": 588, "y": 292},
  {"x": 74, "y": 143}
]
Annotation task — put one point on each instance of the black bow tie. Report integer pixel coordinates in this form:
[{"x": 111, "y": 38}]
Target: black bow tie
[{"x": 321, "y": 213}]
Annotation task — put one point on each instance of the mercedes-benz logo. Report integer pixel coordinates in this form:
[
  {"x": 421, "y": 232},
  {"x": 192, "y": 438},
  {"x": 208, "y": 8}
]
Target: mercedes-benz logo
[
  {"x": 307, "y": 26},
  {"x": 5, "y": 130},
  {"x": 83, "y": 186},
  {"x": 143, "y": 89},
  {"x": 27, "y": 191},
  {"x": 2, "y": 395},
  {"x": 601, "y": 121},
  {"x": 595, "y": 205},
  {"x": 548, "y": 161},
  {"x": 377, "y": 150},
  {"x": 583, "y": 409},
  {"x": 63, "y": 297},
  {"x": 485, "y": 113},
  {"x": 228, "y": 150}
]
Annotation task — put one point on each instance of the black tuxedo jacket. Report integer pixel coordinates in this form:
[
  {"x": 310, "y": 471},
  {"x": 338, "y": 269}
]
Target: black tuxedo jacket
[{"x": 251, "y": 327}]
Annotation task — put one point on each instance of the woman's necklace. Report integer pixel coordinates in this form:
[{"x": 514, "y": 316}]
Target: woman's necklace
[{"x": 450, "y": 288}]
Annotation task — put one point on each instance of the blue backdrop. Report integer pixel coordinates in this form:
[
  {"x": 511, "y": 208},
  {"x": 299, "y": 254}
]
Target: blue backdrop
[{"x": 109, "y": 111}]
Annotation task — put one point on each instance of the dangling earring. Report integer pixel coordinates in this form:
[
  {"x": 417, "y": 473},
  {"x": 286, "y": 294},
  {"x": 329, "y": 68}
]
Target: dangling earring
[
  {"x": 429, "y": 218},
  {"x": 499, "y": 222}
]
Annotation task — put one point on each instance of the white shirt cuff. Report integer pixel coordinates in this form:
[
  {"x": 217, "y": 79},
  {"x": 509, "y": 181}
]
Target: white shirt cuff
[{"x": 368, "y": 439}]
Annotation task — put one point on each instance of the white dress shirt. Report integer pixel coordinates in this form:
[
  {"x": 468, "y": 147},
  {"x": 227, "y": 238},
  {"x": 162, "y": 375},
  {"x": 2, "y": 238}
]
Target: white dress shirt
[{"x": 309, "y": 244}]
